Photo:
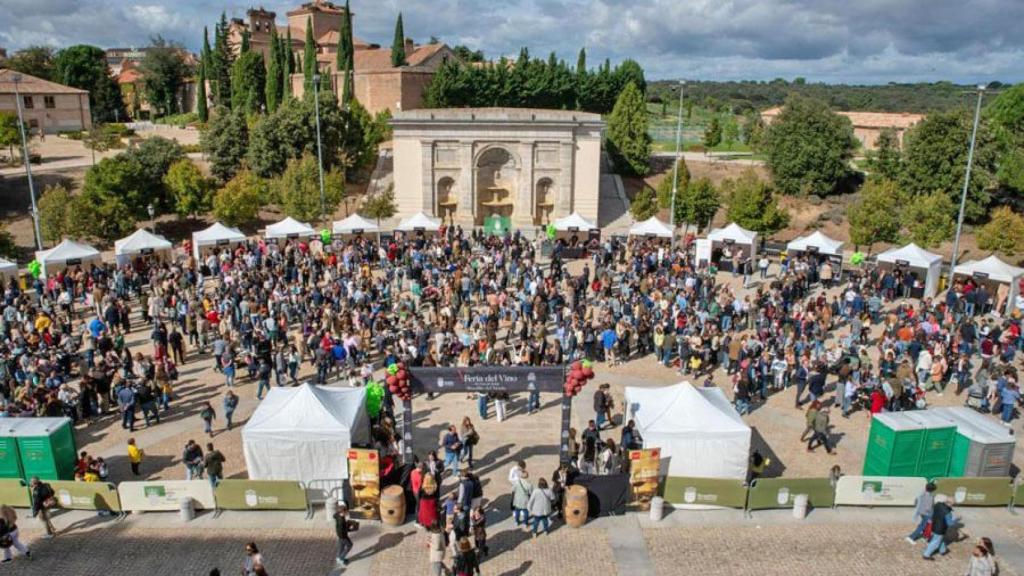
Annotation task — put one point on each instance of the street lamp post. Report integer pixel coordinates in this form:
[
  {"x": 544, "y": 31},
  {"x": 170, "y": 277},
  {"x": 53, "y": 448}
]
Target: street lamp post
[
  {"x": 152, "y": 215},
  {"x": 28, "y": 163},
  {"x": 319, "y": 148},
  {"x": 675, "y": 163},
  {"x": 967, "y": 182}
]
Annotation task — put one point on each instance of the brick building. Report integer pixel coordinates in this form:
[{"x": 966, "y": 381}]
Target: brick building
[
  {"x": 867, "y": 126},
  {"x": 46, "y": 106},
  {"x": 378, "y": 84}
]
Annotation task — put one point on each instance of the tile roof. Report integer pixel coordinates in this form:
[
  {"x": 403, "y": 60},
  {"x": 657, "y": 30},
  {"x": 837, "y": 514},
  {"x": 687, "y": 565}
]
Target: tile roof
[
  {"x": 31, "y": 85},
  {"x": 331, "y": 38},
  {"x": 380, "y": 58}
]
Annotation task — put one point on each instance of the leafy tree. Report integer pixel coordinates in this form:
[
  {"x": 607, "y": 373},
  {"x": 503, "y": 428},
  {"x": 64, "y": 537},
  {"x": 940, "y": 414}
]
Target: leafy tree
[
  {"x": 380, "y": 205},
  {"x": 712, "y": 134},
  {"x": 1011, "y": 169},
  {"x": 628, "y": 141},
  {"x": 202, "y": 107},
  {"x": 644, "y": 205},
  {"x": 929, "y": 219},
  {"x": 35, "y": 61},
  {"x": 467, "y": 55},
  {"x": 398, "y": 44},
  {"x": 752, "y": 204},
  {"x": 222, "y": 59},
  {"x": 226, "y": 143},
  {"x": 57, "y": 217},
  {"x": 97, "y": 139},
  {"x": 85, "y": 67},
  {"x": 206, "y": 55},
  {"x": 875, "y": 217},
  {"x": 753, "y": 130},
  {"x": 808, "y": 147},
  {"x": 682, "y": 174},
  {"x": 346, "y": 57},
  {"x": 935, "y": 159},
  {"x": 699, "y": 204},
  {"x": 630, "y": 71},
  {"x": 440, "y": 91},
  {"x": 581, "y": 61},
  {"x": 730, "y": 132},
  {"x": 238, "y": 202},
  {"x": 9, "y": 132},
  {"x": 188, "y": 187},
  {"x": 288, "y": 70},
  {"x": 154, "y": 157},
  {"x": 298, "y": 189},
  {"x": 274, "y": 75},
  {"x": 309, "y": 57},
  {"x": 885, "y": 161},
  {"x": 1003, "y": 233},
  {"x": 1006, "y": 116},
  {"x": 248, "y": 83},
  {"x": 245, "y": 46},
  {"x": 111, "y": 197},
  {"x": 165, "y": 71}
]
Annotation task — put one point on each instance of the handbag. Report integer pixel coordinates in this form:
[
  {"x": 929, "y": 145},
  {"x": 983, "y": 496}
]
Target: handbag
[
  {"x": 6, "y": 541},
  {"x": 49, "y": 502}
]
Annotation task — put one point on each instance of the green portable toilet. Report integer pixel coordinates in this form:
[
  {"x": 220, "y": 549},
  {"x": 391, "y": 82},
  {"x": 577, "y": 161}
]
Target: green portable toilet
[
  {"x": 894, "y": 445},
  {"x": 982, "y": 447},
  {"x": 46, "y": 446},
  {"x": 10, "y": 460},
  {"x": 937, "y": 444}
]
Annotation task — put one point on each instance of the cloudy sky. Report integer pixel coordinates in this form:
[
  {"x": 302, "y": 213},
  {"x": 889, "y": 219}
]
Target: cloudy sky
[{"x": 859, "y": 41}]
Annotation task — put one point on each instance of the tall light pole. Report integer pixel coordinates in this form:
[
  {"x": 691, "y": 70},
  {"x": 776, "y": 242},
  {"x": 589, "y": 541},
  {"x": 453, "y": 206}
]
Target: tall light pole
[
  {"x": 675, "y": 162},
  {"x": 319, "y": 148},
  {"x": 967, "y": 182},
  {"x": 28, "y": 164}
]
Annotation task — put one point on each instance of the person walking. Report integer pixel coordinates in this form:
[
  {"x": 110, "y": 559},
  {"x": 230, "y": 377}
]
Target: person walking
[
  {"x": 192, "y": 457},
  {"x": 980, "y": 563},
  {"x": 9, "y": 533},
  {"x": 942, "y": 520},
  {"x": 809, "y": 416},
  {"x": 466, "y": 562},
  {"x": 208, "y": 414},
  {"x": 254, "y": 564},
  {"x": 214, "y": 464},
  {"x": 470, "y": 438},
  {"x": 436, "y": 547},
  {"x": 452, "y": 448},
  {"x": 521, "y": 492},
  {"x": 230, "y": 405},
  {"x": 342, "y": 526},
  {"x": 923, "y": 505},
  {"x": 478, "y": 524},
  {"x": 42, "y": 501},
  {"x": 821, "y": 425},
  {"x": 135, "y": 456},
  {"x": 539, "y": 506}
]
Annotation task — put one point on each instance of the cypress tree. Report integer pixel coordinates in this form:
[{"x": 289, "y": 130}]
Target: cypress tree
[
  {"x": 628, "y": 141},
  {"x": 581, "y": 62},
  {"x": 398, "y": 44},
  {"x": 274, "y": 75},
  {"x": 245, "y": 42},
  {"x": 222, "y": 59},
  {"x": 201, "y": 108},
  {"x": 309, "y": 57},
  {"x": 205, "y": 54},
  {"x": 287, "y": 66},
  {"x": 345, "y": 45}
]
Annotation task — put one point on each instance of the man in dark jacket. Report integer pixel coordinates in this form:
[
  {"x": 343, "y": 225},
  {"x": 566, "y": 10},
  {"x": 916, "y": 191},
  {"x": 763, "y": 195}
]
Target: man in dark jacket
[
  {"x": 942, "y": 520},
  {"x": 41, "y": 492},
  {"x": 342, "y": 526},
  {"x": 214, "y": 464}
]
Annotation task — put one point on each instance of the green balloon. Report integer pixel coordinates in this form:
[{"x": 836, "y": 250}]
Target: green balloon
[
  {"x": 374, "y": 398},
  {"x": 551, "y": 231},
  {"x": 857, "y": 258},
  {"x": 587, "y": 364},
  {"x": 35, "y": 268},
  {"x": 325, "y": 236},
  {"x": 393, "y": 369}
]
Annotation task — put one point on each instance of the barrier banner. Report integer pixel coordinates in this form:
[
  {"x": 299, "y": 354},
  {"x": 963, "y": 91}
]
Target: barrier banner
[
  {"x": 976, "y": 491},
  {"x": 1018, "y": 496},
  {"x": 71, "y": 495},
  {"x": 364, "y": 478},
  {"x": 14, "y": 492},
  {"x": 878, "y": 490},
  {"x": 260, "y": 495},
  {"x": 704, "y": 492},
  {"x": 156, "y": 496},
  {"x": 768, "y": 493},
  {"x": 643, "y": 477}
]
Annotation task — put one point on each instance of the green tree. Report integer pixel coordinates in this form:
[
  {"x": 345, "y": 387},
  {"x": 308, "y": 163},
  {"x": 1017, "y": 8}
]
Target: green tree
[
  {"x": 222, "y": 59},
  {"x": 629, "y": 144},
  {"x": 682, "y": 174},
  {"x": 298, "y": 189},
  {"x": 238, "y": 202},
  {"x": 440, "y": 90},
  {"x": 113, "y": 191},
  {"x": 808, "y": 147},
  {"x": 644, "y": 205},
  {"x": 346, "y": 46},
  {"x": 380, "y": 205},
  {"x": 188, "y": 187},
  {"x": 225, "y": 141},
  {"x": 712, "y": 134},
  {"x": 629, "y": 71},
  {"x": 57, "y": 217},
  {"x": 35, "y": 61},
  {"x": 699, "y": 204},
  {"x": 1006, "y": 116},
  {"x": 289, "y": 58},
  {"x": 753, "y": 205},
  {"x": 929, "y": 219},
  {"x": 165, "y": 71},
  {"x": 1004, "y": 232},
  {"x": 309, "y": 68},
  {"x": 398, "y": 44},
  {"x": 202, "y": 107},
  {"x": 154, "y": 157},
  {"x": 753, "y": 130},
  {"x": 85, "y": 67},
  {"x": 206, "y": 55},
  {"x": 248, "y": 82},
  {"x": 9, "y": 132},
  {"x": 274, "y": 75},
  {"x": 875, "y": 217},
  {"x": 885, "y": 161},
  {"x": 935, "y": 159},
  {"x": 245, "y": 47},
  {"x": 730, "y": 131},
  {"x": 96, "y": 139}
]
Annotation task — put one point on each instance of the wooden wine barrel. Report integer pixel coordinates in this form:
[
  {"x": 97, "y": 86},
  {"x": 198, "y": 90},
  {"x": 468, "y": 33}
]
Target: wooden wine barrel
[
  {"x": 575, "y": 506},
  {"x": 392, "y": 505}
]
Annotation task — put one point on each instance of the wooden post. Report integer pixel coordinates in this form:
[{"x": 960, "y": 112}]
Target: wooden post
[
  {"x": 563, "y": 444},
  {"x": 407, "y": 453}
]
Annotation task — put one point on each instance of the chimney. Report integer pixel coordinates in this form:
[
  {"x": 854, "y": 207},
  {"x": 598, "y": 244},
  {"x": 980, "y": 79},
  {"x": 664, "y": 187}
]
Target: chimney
[{"x": 409, "y": 47}]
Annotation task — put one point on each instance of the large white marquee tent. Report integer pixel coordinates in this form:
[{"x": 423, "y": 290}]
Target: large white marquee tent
[
  {"x": 574, "y": 223},
  {"x": 419, "y": 222},
  {"x": 8, "y": 269},
  {"x": 216, "y": 235},
  {"x": 651, "y": 227},
  {"x": 914, "y": 257},
  {"x": 140, "y": 242},
  {"x": 734, "y": 235},
  {"x": 994, "y": 270},
  {"x": 289, "y": 228},
  {"x": 816, "y": 243},
  {"x": 355, "y": 224},
  {"x": 65, "y": 255}
]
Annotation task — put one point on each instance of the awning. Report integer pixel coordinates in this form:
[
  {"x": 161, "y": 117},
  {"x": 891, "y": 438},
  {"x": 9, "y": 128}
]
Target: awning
[
  {"x": 651, "y": 227},
  {"x": 355, "y": 224},
  {"x": 289, "y": 228},
  {"x": 419, "y": 223},
  {"x": 574, "y": 223}
]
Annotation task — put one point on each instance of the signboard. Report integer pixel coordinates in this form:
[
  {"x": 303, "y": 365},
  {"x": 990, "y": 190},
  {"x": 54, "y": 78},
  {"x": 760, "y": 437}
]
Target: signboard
[
  {"x": 495, "y": 225},
  {"x": 14, "y": 493},
  {"x": 643, "y": 477},
  {"x": 704, "y": 492},
  {"x": 223, "y": 242},
  {"x": 165, "y": 495},
  {"x": 976, "y": 491},
  {"x": 811, "y": 249},
  {"x": 72, "y": 261},
  {"x": 487, "y": 379},
  {"x": 364, "y": 477},
  {"x": 902, "y": 263},
  {"x": 293, "y": 235},
  {"x": 980, "y": 275},
  {"x": 878, "y": 490},
  {"x": 594, "y": 234},
  {"x": 768, "y": 493},
  {"x": 71, "y": 495},
  {"x": 729, "y": 241},
  {"x": 146, "y": 251},
  {"x": 260, "y": 495},
  {"x": 357, "y": 230}
]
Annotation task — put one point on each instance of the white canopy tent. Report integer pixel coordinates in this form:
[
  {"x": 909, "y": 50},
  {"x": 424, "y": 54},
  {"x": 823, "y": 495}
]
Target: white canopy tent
[
  {"x": 64, "y": 255},
  {"x": 574, "y": 223},
  {"x": 419, "y": 222},
  {"x": 289, "y": 228},
  {"x": 734, "y": 235},
  {"x": 994, "y": 270},
  {"x": 141, "y": 242},
  {"x": 8, "y": 269},
  {"x": 651, "y": 227},
  {"x": 355, "y": 224},
  {"x": 216, "y": 235},
  {"x": 697, "y": 429},
  {"x": 916, "y": 258},
  {"x": 304, "y": 433},
  {"x": 816, "y": 243}
]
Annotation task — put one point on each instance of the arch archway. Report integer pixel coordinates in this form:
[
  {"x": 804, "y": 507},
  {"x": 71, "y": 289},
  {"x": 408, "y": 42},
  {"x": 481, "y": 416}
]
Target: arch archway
[
  {"x": 543, "y": 201},
  {"x": 446, "y": 199},
  {"x": 497, "y": 179}
]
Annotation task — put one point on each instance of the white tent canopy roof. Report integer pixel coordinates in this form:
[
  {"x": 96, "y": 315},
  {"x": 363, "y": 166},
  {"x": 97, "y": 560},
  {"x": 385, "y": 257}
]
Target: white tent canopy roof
[
  {"x": 993, "y": 267},
  {"x": 7, "y": 267},
  {"x": 574, "y": 221},
  {"x": 419, "y": 221},
  {"x": 824, "y": 244},
  {"x": 215, "y": 234},
  {"x": 683, "y": 408},
  {"x": 912, "y": 254},
  {"x": 354, "y": 223},
  {"x": 734, "y": 232},
  {"x": 651, "y": 227},
  {"x": 141, "y": 241},
  {"x": 289, "y": 228},
  {"x": 67, "y": 250}
]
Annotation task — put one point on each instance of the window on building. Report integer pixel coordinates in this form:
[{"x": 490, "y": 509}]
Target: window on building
[
  {"x": 49, "y": 102},
  {"x": 27, "y": 100},
  {"x": 33, "y": 124}
]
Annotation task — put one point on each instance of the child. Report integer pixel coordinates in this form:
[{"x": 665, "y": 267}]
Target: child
[{"x": 135, "y": 456}]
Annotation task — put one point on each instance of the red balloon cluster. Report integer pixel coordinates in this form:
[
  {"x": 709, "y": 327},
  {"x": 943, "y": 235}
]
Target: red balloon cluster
[
  {"x": 398, "y": 383},
  {"x": 577, "y": 378}
]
